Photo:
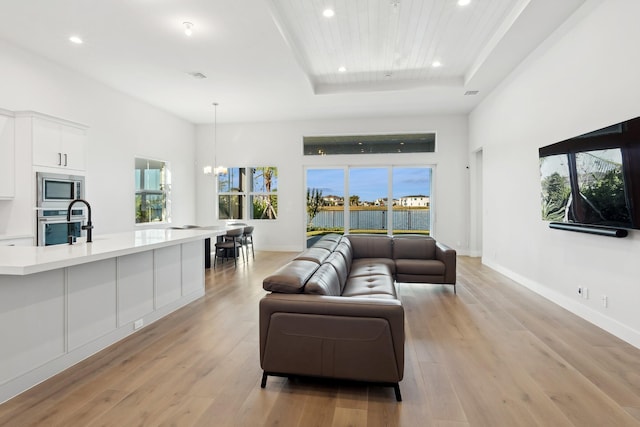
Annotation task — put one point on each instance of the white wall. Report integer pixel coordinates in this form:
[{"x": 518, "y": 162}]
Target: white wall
[
  {"x": 586, "y": 79},
  {"x": 120, "y": 128},
  {"x": 280, "y": 144}
]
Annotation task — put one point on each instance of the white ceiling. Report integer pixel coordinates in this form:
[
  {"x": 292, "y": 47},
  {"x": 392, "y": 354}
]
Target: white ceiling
[{"x": 278, "y": 59}]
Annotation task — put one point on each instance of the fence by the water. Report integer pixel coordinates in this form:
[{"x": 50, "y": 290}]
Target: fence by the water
[{"x": 402, "y": 219}]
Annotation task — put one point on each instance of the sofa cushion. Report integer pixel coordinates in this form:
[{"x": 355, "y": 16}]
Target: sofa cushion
[
  {"x": 324, "y": 281},
  {"x": 371, "y": 246},
  {"x": 334, "y": 237},
  {"x": 420, "y": 267},
  {"x": 369, "y": 266},
  {"x": 326, "y": 243},
  {"x": 376, "y": 286},
  {"x": 344, "y": 249},
  {"x": 291, "y": 277},
  {"x": 340, "y": 265},
  {"x": 414, "y": 247},
  {"x": 317, "y": 255}
]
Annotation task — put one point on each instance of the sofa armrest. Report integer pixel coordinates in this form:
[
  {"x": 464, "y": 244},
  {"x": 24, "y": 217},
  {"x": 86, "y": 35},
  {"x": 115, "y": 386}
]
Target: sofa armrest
[
  {"x": 390, "y": 310},
  {"x": 448, "y": 256}
]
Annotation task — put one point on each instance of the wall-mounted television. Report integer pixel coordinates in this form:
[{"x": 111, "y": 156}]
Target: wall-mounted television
[{"x": 594, "y": 179}]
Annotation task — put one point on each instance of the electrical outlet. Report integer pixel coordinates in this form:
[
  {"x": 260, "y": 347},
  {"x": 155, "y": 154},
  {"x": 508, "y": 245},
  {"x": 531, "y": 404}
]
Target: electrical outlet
[
  {"x": 605, "y": 301},
  {"x": 138, "y": 324},
  {"x": 585, "y": 293}
]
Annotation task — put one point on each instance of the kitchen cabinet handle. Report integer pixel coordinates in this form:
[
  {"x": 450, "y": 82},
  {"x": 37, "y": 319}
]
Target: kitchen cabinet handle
[
  {"x": 65, "y": 159},
  {"x": 59, "y": 159}
]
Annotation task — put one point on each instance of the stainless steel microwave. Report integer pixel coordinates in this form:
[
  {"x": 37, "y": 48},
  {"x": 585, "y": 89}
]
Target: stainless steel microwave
[{"x": 57, "y": 190}]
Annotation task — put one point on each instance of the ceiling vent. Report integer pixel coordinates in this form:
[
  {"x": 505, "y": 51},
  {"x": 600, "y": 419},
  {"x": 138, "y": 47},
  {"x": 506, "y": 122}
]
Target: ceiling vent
[{"x": 471, "y": 92}]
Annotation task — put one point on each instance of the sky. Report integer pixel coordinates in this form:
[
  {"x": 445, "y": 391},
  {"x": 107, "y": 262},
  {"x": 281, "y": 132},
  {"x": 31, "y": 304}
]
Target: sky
[{"x": 371, "y": 183}]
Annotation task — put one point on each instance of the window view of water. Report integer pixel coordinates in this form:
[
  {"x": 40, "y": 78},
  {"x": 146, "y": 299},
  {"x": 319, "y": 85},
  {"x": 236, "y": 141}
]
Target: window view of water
[{"x": 370, "y": 195}]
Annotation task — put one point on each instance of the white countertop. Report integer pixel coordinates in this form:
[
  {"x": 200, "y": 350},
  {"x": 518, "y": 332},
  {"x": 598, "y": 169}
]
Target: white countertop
[
  {"x": 15, "y": 236},
  {"x": 22, "y": 260}
]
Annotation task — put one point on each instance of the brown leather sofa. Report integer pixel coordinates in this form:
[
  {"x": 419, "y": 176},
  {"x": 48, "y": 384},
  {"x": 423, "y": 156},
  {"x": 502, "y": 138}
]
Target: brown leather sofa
[{"x": 333, "y": 311}]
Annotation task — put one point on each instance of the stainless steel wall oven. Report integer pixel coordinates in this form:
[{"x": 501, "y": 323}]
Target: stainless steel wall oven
[
  {"x": 53, "y": 228},
  {"x": 54, "y": 194}
]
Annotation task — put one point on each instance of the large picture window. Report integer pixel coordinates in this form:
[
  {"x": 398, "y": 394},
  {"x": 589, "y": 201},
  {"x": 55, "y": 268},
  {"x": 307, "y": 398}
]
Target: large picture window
[
  {"x": 152, "y": 192},
  {"x": 248, "y": 193},
  {"x": 383, "y": 200}
]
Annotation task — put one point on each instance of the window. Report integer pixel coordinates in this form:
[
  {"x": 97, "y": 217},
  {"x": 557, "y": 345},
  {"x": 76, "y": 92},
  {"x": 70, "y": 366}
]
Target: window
[
  {"x": 153, "y": 189},
  {"x": 325, "y": 201},
  {"x": 369, "y": 144},
  {"x": 248, "y": 193},
  {"x": 368, "y": 200},
  {"x": 411, "y": 199},
  {"x": 377, "y": 200}
]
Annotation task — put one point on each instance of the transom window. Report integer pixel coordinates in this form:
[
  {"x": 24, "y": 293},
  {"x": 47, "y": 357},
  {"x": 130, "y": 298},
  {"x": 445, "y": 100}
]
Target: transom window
[{"x": 369, "y": 144}]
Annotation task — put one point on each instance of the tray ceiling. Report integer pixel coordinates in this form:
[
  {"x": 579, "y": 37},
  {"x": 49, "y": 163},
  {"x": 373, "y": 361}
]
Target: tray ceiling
[{"x": 265, "y": 60}]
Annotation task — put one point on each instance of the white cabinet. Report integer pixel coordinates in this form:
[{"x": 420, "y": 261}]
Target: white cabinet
[
  {"x": 58, "y": 144},
  {"x": 7, "y": 157}
]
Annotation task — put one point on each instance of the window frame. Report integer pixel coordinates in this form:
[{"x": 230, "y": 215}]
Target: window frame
[
  {"x": 347, "y": 226},
  {"x": 246, "y": 192},
  {"x": 164, "y": 189}
]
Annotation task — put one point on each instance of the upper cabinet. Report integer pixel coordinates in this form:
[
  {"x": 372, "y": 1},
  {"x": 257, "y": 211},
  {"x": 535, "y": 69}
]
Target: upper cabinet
[
  {"x": 58, "y": 143},
  {"x": 7, "y": 156}
]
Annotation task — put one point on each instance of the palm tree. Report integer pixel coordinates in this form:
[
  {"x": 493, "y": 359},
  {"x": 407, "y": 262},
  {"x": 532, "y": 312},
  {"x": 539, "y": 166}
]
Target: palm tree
[
  {"x": 314, "y": 202},
  {"x": 268, "y": 175}
]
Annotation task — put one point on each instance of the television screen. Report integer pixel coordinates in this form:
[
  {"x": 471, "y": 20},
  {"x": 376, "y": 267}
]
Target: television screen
[{"x": 594, "y": 178}]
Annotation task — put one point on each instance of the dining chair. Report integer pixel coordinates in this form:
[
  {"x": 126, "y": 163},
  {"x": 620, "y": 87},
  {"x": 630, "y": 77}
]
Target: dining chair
[
  {"x": 247, "y": 239},
  {"x": 231, "y": 243}
]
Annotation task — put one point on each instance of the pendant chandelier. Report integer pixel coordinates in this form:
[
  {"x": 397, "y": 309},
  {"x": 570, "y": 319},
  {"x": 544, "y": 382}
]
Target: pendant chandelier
[{"x": 215, "y": 169}]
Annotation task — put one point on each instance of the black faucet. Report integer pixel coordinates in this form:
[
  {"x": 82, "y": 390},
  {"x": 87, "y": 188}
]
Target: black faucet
[{"x": 88, "y": 226}]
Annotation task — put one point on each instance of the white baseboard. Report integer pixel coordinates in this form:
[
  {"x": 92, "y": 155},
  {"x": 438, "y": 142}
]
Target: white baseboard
[{"x": 607, "y": 323}]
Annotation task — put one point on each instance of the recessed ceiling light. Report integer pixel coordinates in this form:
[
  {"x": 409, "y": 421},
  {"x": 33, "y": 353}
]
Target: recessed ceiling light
[
  {"x": 188, "y": 28},
  {"x": 463, "y": 2},
  {"x": 436, "y": 64},
  {"x": 328, "y": 13},
  {"x": 342, "y": 69},
  {"x": 75, "y": 39}
]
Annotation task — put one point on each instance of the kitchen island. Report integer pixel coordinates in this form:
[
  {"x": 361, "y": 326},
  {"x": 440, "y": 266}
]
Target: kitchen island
[{"x": 61, "y": 304}]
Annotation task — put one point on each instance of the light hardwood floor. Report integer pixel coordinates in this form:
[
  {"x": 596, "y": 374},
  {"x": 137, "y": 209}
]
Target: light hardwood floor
[{"x": 494, "y": 355}]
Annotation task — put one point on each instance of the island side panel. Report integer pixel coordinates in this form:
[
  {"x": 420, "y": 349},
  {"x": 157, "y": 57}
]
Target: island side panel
[
  {"x": 167, "y": 264},
  {"x": 91, "y": 301},
  {"x": 135, "y": 286},
  {"x": 32, "y": 314},
  {"x": 192, "y": 268}
]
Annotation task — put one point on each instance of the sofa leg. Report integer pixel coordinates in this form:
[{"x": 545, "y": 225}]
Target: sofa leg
[
  {"x": 396, "y": 388},
  {"x": 454, "y": 289},
  {"x": 263, "y": 383}
]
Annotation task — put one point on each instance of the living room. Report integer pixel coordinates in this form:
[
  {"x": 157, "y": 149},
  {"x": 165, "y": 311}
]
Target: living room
[{"x": 486, "y": 191}]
